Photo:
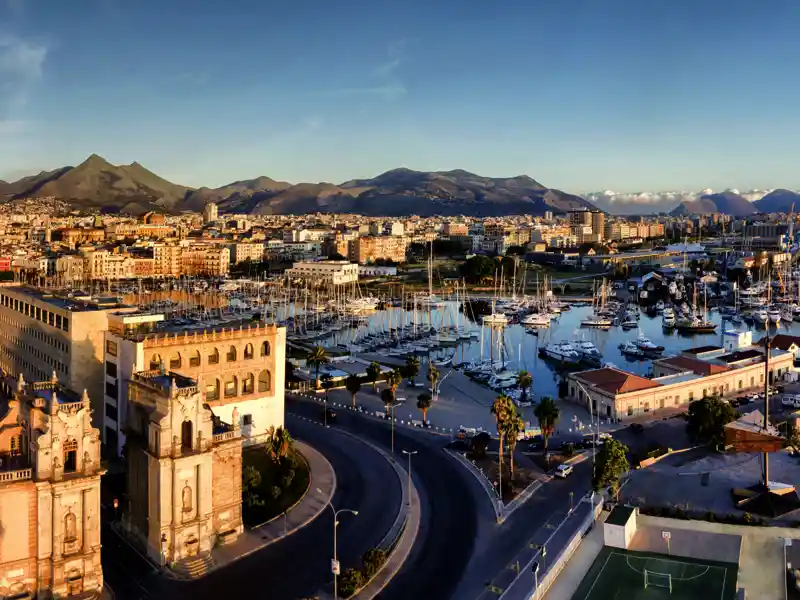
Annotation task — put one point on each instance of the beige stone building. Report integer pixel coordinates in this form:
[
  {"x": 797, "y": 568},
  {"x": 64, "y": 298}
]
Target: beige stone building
[
  {"x": 208, "y": 261},
  {"x": 242, "y": 251},
  {"x": 49, "y": 493},
  {"x": 184, "y": 469},
  {"x": 240, "y": 368},
  {"x": 323, "y": 272},
  {"x": 42, "y": 332},
  {"x": 370, "y": 248},
  {"x": 677, "y": 380}
]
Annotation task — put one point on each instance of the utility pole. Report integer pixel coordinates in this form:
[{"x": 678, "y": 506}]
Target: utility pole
[{"x": 768, "y": 341}]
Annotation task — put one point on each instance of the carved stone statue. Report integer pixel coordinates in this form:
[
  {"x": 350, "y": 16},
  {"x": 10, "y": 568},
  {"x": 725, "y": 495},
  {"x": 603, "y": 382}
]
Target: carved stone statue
[
  {"x": 70, "y": 526},
  {"x": 235, "y": 418},
  {"x": 186, "y": 498}
]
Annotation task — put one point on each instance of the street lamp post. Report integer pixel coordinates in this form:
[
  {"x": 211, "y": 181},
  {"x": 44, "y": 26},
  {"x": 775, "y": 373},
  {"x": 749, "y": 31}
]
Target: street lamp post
[
  {"x": 335, "y": 561},
  {"x": 409, "y": 453},
  {"x": 535, "y": 568},
  {"x": 595, "y": 429}
]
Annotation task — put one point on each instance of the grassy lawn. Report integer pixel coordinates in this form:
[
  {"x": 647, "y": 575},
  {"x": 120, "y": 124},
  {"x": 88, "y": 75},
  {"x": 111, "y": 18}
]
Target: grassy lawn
[{"x": 279, "y": 485}]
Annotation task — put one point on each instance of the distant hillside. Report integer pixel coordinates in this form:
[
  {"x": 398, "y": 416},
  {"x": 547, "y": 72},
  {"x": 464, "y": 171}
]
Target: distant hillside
[
  {"x": 778, "y": 201},
  {"x": 402, "y": 192},
  {"x": 729, "y": 203},
  {"x": 96, "y": 183}
]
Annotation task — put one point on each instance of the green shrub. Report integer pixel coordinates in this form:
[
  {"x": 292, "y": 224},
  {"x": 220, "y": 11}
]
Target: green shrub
[
  {"x": 372, "y": 561},
  {"x": 349, "y": 581}
]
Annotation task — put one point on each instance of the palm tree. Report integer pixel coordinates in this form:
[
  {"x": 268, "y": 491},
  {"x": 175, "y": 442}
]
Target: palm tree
[
  {"x": 317, "y": 357},
  {"x": 394, "y": 379},
  {"x": 502, "y": 408},
  {"x": 412, "y": 368},
  {"x": 353, "y": 385},
  {"x": 388, "y": 398},
  {"x": 547, "y": 413},
  {"x": 279, "y": 443},
  {"x": 424, "y": 403},
  {"x": 373, "y": 372},
  {"x": 524, "y": 381},
  {"x": 433, "y": 377},
  {"x": 514, "y": 426}
]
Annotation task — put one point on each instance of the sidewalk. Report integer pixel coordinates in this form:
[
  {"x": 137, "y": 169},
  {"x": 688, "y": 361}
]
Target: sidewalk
[
  {"x": 576, "y": 568},
  {"x": 310, "y": 506}
]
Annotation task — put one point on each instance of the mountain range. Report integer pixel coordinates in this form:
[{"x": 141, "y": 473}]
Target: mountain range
[{"x": 97, "y": 184}]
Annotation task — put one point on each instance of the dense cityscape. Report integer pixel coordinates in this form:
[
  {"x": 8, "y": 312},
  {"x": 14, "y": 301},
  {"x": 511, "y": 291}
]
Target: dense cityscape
[{"x": 404, "y": 301}]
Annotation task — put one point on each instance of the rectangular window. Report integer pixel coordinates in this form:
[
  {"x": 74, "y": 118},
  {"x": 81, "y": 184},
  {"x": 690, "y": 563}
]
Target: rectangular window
[
  {"x": 65, "y": 324},
  {"x": 111, "y": 348},
  {"x": 112, "y": 391},
  {"x": 111, "y": 412},
  {"x": 247, "y": 420},
  {"x": 111, "y": 369},
  {"x": 691, "y": 396}
]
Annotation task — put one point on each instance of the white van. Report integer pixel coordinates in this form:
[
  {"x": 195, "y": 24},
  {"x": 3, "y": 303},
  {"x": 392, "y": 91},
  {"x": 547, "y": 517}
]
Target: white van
[{"x": 791, "y": 400}]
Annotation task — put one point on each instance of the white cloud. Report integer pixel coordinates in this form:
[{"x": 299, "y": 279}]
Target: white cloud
[
  {"x": 382, "y": 81},
  {"x": 657, "y": 201},
  {"x": 21, "y": 66}
]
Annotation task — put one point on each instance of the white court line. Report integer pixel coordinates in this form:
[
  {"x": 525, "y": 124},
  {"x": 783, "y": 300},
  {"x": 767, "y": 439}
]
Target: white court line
[
  {"x": 599, "y": 575},
  {"x": 677, "y": 562},
  {"x": 724, "y": 577}
]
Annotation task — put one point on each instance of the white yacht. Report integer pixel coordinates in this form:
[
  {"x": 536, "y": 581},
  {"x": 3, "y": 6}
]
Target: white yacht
[
  {"x": 645, "y": 344},
  {"x": 774, "y": 314},
  {"x": 597, "y": 321},
  {"x": 630, "y": 348},
  {"x": 536, "y": 320},
  {"x": 587, "y": 350},
  {"x": 761, "y": 316},
  {"x": 562, "y": 351},
  {"x": 495, "y": 319}
]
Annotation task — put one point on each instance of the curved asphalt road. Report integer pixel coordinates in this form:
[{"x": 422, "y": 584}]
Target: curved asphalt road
[
  {"x": 296, "y": 566},
  {"x": 449, "y": 522}
]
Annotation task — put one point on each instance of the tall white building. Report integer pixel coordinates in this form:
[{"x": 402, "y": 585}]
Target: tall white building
[{"x": 324, "y": 272}]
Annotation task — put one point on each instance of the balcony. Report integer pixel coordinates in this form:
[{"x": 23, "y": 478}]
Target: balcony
[{"x": 16, "y": 475}]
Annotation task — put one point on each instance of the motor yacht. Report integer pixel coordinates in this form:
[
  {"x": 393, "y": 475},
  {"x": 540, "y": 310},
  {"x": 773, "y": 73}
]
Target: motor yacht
[{"x": 562, "y": 351}]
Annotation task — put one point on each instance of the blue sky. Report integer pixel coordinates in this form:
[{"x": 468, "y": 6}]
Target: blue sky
[{"x": 582, "y": 95}]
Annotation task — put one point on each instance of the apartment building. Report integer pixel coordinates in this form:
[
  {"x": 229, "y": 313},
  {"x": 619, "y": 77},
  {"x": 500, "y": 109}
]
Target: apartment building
[
  {"x": 324, "y": 272},
  {"x": 370, "y": 248},
  {"x": 49, "y": 493},
  {"x": 210, "y": 213},
  {"x": 598, "y": 224},
  {"x": 677, "y": 380},
  {"x": 239, "y": 368},
  {"x": 207, "y": 261},
  {"x": 42, "y": 333},
  {"x": 455, "y": 228},
  {"x": 167, "y": 260},
  {"x": 242, "y": 251},
  {"x": 184, "y": 469}
]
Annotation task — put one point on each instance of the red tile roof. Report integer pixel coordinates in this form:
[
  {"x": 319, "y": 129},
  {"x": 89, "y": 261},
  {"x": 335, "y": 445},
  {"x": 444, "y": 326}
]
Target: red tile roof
[
  {"x": 701, "y": 367},
  {"x": 781, "y": 341},
  {"x": 615, "y": 381}
]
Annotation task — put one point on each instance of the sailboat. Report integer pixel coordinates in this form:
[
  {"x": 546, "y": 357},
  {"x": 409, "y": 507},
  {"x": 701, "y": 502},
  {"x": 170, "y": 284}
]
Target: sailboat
[
  {"x": 693, "y": 323},
  {"x": 598, "y": 320}
]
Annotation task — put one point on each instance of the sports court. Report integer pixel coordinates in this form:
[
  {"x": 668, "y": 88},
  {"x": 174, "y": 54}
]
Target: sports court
[{"x": 619, "y": 574}]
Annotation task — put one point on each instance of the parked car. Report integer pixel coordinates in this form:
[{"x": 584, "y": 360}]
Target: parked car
[
  {"x": 563, "y": 471},
  {"x": 329, "y": 415}
]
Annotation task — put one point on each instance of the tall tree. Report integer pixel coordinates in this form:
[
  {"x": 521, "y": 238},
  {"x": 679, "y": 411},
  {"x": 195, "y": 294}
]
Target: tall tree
[
  {"x": 502, "y": 409},
  {"x": 433, "y": 378},
  {"x": 317, "y": 357},
  {"x": 394, "y": 379},
  {"x": 353, "y": 385},
  {"x": 707, "y": 419},
  {"x": 279, "y": 443},
  {"x": 514, "y": 425},
  {"x": 524, "y": 381},
  {"x": 388, "y": 398},
  {"x": 412, "y": 368},
  {"x": 611, "y": 463},
  {"x": 547, "y": 413},
  {"x": 373, "y": 372},
  {"x": 423, "y": 404}
]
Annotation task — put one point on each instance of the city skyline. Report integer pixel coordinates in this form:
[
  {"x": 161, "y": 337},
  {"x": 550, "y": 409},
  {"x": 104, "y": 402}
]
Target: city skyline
[{"x": 621, "y": 97}]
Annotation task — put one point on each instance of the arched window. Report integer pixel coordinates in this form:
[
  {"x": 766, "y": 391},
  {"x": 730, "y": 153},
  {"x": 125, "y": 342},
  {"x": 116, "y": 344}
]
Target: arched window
[
  {"x": 70, "y": 527},
  {"x": 155, "y": 362},
  {"x": 265, "y": 349},
  {"x": 264, "y": 381},
  {"x": 175, "y": 360},
  {"x": 194, "y": 361},
  {"x": 213, "y": 357},
  {"x": 232, "y": 354},
  {"x": 212, "y": 389},
  {"x": 231, "y": 385},
  {"x": 248, "y": 352},
  {"x": 70, "y": 455},
  {"x": 186, "y": 435},
  {"x": 248, "y": 383}
]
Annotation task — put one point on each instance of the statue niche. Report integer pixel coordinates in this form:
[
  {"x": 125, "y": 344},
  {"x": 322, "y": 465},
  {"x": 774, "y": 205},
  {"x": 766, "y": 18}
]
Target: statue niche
[{"x": 186, "y": 498}]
